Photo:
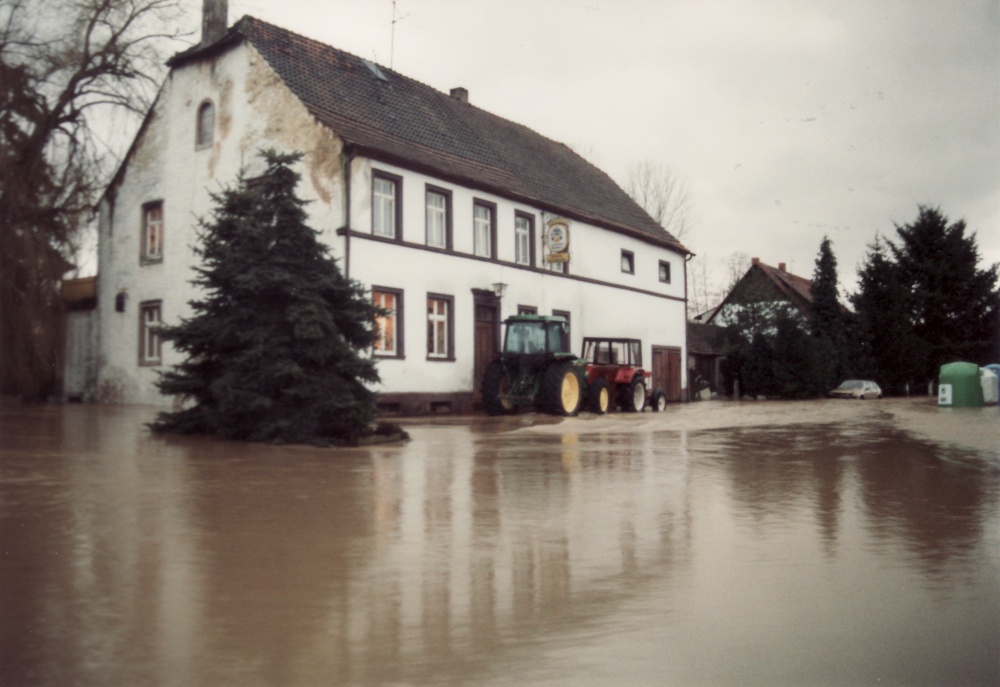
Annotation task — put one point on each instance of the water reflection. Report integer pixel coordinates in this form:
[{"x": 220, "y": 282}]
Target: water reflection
[{"x": 494, "y": 551}]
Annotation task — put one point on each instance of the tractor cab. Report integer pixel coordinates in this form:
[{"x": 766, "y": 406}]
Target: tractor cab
[{"x": 536, "y": 335}]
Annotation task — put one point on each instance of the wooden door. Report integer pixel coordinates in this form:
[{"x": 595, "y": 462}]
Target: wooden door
[
  {"x": 667, "y": 371},
  {"x": 487, "y": 342}
]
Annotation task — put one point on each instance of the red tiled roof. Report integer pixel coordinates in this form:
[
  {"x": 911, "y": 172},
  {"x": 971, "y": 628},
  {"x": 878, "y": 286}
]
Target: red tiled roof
[{"x": 400, "y": 120}]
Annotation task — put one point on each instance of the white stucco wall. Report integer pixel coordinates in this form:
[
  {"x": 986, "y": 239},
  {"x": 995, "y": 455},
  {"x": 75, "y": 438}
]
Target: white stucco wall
[
  {"x": 255, "y": 110},
  {"x": 601, "y": 299}
]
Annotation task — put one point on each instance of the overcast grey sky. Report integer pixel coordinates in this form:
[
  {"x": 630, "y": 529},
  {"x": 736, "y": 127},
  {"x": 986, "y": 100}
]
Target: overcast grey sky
[{"x": 788, "y": 119}]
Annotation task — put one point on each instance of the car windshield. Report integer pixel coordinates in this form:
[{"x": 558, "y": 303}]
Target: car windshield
[{"x": 852, "y": 384}]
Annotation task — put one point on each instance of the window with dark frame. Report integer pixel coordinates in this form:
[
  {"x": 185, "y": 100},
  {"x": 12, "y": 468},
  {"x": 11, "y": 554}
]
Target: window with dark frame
[
  {"x": 438, "y": 214},
  {"x": 569, "y": 322},
  {"x": 484, "y": 229},
  {"x": 628, "y": 262},
  {"x": 205, "y": 125},
  {"x": 388, "y": 326},
  {"x": 152, "y": 232},
  {"x": 440, "y": 327},
  {"x": 387, "y": 203},
  {"x": 664, "y": 272},
  {"x": 524, "y": 239},
  {"x": 527, "y": 310},
  {"x": 150, "y": 317}
]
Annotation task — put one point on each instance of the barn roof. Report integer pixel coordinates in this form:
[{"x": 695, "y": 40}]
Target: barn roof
[{"x": 386, "y": 115}]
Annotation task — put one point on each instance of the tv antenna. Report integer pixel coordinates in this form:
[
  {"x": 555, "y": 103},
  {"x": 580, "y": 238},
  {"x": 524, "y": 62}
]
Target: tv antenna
[{"x": 392, "y": 33}]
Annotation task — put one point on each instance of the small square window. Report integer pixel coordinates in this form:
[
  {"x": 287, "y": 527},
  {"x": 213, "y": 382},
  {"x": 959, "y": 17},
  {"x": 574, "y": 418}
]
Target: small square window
[
  {"x": 664, "y": 272},
  {"x": 628, "y": 262}
]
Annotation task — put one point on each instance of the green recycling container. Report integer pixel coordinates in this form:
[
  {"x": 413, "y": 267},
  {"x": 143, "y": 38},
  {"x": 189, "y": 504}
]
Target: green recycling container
[{"x": 959, "y": 386}]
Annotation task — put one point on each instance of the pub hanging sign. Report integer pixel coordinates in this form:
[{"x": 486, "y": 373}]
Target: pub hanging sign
[{"x": 557, "y": 240}]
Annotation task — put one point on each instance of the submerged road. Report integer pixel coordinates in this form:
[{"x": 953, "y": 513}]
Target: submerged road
[{"x": 721, "y": 543}]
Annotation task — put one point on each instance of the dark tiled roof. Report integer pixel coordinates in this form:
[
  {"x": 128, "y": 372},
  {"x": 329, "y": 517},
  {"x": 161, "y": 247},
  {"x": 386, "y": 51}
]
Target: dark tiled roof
[
  {"x": 402, "y": 120},
  {"x": 796, "y": 289}
]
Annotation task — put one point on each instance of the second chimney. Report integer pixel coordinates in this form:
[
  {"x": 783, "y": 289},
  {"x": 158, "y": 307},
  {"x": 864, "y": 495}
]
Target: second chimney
[
  {"x": 461, "y": 94},
  {"x": 781, "y": 266},
  {"x": 214, "y": 20}
]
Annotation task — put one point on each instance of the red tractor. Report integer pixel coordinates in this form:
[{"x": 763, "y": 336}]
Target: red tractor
[{"x": 615, "y": 378}]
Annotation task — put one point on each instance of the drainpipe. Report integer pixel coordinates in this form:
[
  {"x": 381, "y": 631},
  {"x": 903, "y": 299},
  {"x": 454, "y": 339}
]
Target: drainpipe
[
  {"x": 686, "y": 389},
  {"x": 349, "y": 152}
]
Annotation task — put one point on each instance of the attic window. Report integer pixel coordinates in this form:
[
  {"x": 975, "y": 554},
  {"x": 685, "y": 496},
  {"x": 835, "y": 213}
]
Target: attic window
[
  {"x": 375, "y": 70},
  {"x": 205, "y": 125}
]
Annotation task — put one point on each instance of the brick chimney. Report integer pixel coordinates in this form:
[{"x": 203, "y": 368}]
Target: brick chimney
[
  {"x": 460, "y": 94},
  {"x": 754, "y": 261},
  {"x": 781, "y": 266},
  {"x": 214, "y": 20}
]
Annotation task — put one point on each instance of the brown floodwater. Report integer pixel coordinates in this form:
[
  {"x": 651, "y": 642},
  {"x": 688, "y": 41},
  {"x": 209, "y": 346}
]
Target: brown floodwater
[{"x": 817, "y": 543}]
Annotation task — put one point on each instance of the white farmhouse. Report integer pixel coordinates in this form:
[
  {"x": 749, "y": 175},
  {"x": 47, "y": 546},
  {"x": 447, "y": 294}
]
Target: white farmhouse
[{"x": 440, "y": 208}]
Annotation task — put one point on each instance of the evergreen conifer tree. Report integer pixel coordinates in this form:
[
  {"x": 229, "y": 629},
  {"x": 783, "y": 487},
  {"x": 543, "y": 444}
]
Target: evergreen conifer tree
[
  {"x": 828, "y": 321},
  {"x": 275, "y": 347},
  {"x": 954, "y": 305},
  {"x": 888, "y": 350}
]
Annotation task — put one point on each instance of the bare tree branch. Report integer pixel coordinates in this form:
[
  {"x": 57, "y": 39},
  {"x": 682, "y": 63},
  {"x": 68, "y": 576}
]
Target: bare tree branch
[
  {"x": 63, "y": 65},
  {"x": 662, "y": 194}
]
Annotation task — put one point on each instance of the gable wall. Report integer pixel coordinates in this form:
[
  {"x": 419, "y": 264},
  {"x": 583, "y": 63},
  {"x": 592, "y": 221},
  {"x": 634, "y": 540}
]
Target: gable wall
[{"x": 253, "y": 111}]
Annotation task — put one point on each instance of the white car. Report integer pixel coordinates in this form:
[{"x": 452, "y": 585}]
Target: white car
[{"x": 857, "y": 388}]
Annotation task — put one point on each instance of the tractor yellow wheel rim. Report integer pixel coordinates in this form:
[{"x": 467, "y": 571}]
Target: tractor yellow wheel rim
[
  {"x": 603, "y": 400},
  {"x": 570, "y": 392}
]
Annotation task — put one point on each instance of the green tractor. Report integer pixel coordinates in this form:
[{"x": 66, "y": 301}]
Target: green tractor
[{"x": 535, "y": 368}]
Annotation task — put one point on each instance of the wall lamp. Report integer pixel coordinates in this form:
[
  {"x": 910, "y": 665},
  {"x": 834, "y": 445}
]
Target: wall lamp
[{"x": 499, "y": 289}]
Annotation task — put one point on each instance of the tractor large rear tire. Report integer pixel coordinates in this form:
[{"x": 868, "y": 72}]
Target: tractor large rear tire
[
  {"x": 635, "y": 395},
  {"x": 496, "y": 383},
  {"x": 560, "y": 390}
]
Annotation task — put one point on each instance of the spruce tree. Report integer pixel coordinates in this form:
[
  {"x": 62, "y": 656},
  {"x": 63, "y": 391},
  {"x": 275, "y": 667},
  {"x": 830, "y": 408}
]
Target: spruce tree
[
  {"x": 888, "y": 351},
  {"x": 828, "y": 321},
  {"x": 275, "y": 349},
  {"x": 954, "y": 304}
]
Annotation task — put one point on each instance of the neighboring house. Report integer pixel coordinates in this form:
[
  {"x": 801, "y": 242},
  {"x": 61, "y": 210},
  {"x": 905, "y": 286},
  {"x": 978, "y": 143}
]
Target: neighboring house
[
  {"x": 761, "y": 294},
  {"x": 79, "y": 297},
  {"x": 441, "y": 209}
]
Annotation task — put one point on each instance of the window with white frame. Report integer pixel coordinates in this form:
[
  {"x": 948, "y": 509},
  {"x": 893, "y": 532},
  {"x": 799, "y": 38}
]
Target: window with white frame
[
  {"x": 482, "y": 226},
  {"x": 523, "y": 239},
  {"x": 389, "y": 339},
  {"x": 437, "y": 218},
  {"x": 385, "y": 205},
  {"x": 149, "y": 332},
  {"x": 440, "y": 332},
  {"x": 152, "y": 232}
]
